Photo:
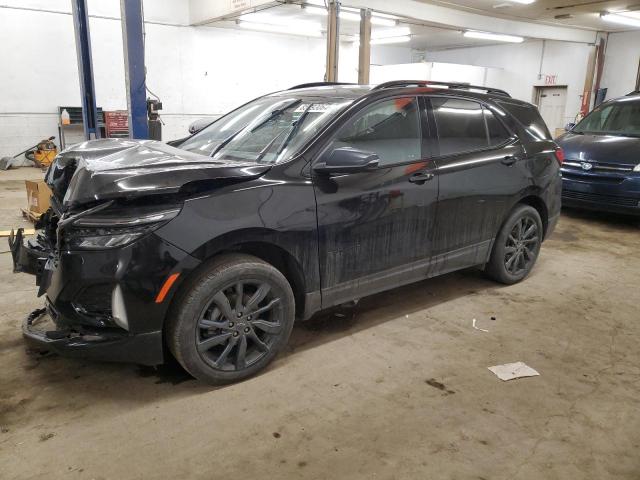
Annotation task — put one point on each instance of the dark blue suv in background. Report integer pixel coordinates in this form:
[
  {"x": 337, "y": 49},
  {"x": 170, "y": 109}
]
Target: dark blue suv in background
[{"x": 602, "y": 158}]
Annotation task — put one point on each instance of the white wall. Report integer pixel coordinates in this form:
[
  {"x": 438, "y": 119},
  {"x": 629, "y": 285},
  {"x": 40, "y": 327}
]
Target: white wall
[
  {"x": 621, "y": 63},
  {"x": 196, "y": 71},
  {"x": 516, "y": 67}
]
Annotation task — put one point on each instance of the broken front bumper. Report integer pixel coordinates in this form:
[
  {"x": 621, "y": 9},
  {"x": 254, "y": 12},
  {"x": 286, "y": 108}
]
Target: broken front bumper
[
  {"x": 41, "y": 333},
  {"x": 80, "y": 286}
]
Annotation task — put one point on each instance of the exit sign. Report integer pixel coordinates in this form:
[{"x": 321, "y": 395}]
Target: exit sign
[
  {"x": 550, "y": 79},
  {"x": 239, "y": 4}
]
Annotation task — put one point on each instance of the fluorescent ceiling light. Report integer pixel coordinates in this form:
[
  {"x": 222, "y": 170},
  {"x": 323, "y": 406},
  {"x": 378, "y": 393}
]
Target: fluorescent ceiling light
[
  {"x": 292, "y": 29},
  {"x": 523, "y": 2},
  {"x": 389, "y": 40},
  {"x": 493, "y": 36},
  {"x": 391, "y": 32},
  {"x": 352, "y": 16},
  {"x": 621, "y": 19},
  {"x": 379, "y": 37}
]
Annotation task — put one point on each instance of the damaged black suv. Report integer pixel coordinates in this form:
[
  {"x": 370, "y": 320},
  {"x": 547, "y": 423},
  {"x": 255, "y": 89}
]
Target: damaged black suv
[{"x": 295, "y": 202}]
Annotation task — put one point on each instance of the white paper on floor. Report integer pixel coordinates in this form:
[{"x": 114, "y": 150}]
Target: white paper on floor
[
  {"x": 510, "y": 371},
  {"x": 473, "y": 324}
]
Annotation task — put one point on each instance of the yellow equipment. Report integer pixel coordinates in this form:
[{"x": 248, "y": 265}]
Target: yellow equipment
[{"x": 44, "y": 153}]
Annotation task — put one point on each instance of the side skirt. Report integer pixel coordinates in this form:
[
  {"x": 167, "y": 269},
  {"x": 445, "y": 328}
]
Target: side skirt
[{"x": 441, "y": 264}]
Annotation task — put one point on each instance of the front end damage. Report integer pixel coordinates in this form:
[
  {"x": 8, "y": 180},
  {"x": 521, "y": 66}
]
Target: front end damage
[
  {"x": 97, "y": 259},
  {"x": 99, "y": 304}
]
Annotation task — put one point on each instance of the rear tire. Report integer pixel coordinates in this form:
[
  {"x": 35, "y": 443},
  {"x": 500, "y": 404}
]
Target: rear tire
[
  {"x": 516, "y": 247},
  {"x": 231, "y": 320}
]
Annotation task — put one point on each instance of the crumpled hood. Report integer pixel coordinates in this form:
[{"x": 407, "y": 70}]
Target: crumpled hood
[
  {"x": 121, "y": 168},
  {"x": 600, "y": 148}
]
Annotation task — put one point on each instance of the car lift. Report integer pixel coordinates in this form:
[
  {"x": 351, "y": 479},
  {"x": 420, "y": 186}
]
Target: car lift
[{"x": 133, "y": 44}]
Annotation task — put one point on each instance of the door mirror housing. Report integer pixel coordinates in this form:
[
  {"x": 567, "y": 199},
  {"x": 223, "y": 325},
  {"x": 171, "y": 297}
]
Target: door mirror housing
[
  {"x": 347, "y": 160},
  {"x": 569, "y": 126}
]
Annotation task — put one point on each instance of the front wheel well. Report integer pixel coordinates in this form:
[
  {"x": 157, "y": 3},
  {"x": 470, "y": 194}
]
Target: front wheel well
[{"x": 280, "y": 259}]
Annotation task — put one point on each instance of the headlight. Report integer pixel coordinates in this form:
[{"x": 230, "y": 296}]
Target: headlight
[
  {"x": 636, "y": 168},
  {"x": 115, "y": 227}
]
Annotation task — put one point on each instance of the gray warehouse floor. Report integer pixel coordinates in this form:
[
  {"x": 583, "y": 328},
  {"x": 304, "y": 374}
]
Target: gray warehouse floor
[{"x": 397, "y": 388}]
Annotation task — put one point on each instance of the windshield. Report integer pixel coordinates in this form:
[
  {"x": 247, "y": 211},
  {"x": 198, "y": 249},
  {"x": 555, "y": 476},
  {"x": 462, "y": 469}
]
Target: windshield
[
  {"x": 620, "y": 118},
  {"x": 267, "y": 130}
]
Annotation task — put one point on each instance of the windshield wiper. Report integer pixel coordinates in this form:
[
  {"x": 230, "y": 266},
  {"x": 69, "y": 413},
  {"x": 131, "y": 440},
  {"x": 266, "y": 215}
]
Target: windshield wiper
[
  {"x": 275, "y": 113},
  {"x": 225, "y": 142},
  {"x": 294, "y": 129},
  {"x": 264, "y": 151}
]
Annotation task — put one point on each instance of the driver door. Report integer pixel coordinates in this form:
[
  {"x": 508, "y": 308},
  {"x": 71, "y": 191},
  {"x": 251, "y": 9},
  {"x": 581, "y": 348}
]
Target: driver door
[{"x": 375, "y": 227}]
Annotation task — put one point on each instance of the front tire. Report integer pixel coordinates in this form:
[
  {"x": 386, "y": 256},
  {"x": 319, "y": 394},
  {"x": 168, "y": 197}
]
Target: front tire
[
  {"x": 231, "y": 320},
  {"x": 516, "y": 247}
]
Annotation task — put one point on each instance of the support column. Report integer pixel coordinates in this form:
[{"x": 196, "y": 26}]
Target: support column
[
  {"x": 333, "y": 40},
  {"x": 85, "y": 69},
  {"x": 364, "y": 56},
  {"x": 601, "y": 43},
  {"x": 585, "y": 106},
  {"x": 134, "y": 68},
  {"x": 595, "y": 64}
]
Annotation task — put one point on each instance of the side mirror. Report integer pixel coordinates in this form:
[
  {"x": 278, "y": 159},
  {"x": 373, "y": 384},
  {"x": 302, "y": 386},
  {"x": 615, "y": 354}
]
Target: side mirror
[
  {"x": 199, "y": 124},
  {"x": 569, "y": 126},
  {"x": 347, "y": 160}
]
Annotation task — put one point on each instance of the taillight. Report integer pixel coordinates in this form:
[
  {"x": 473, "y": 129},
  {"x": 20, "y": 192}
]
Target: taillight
[{"x": 559, "y": 155}]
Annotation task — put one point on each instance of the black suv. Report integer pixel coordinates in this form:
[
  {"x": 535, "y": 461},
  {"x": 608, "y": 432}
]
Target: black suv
[{"x": 295, "y": 202}]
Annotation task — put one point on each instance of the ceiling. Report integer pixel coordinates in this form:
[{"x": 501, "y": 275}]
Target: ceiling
[
  {"x": 582, "y": 14},
  {"x": 574, "y": 13},
  {"x": 422, "y": 36}
]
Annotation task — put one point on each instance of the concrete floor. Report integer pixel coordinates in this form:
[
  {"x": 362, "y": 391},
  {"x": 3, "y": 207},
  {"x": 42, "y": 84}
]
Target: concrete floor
[{"x": 397, "y": 388}]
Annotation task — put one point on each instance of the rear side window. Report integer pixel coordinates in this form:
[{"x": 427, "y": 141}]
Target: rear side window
[
  {"x": 496, "y": 131},
  {"x": 460, "y": 125},
  {"x": 465, "y": 126},
  {"x": 390, "y": 128},
  {"x": 530, "y": 119}
]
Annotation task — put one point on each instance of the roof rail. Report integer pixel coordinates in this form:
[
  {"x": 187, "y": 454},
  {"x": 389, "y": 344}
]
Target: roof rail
[
  {"x": 319, "y": 84},
  {"x": 429, "y": 83}
]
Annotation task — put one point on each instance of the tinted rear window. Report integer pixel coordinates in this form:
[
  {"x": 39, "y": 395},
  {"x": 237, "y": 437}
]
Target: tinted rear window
[
  {"x": 460, "y": 125},
  {"x": 530, "y": 119}
]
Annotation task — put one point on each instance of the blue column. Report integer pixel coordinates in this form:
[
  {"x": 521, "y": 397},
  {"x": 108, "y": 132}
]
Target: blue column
[
  {"x": 133, "y": 44},
  {"x": 85, "y": 69}
]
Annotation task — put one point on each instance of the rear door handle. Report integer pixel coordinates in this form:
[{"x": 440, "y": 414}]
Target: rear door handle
[
  {"x": 509, "y": 160},
  {"x": 421, "y": 177}
]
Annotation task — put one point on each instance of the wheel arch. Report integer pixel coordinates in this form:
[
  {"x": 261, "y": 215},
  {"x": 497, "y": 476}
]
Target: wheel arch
[
  {"x": 538, "y": 203},
  {"x": 263, "y": 244},
  {"x": 281, "y": 259}
]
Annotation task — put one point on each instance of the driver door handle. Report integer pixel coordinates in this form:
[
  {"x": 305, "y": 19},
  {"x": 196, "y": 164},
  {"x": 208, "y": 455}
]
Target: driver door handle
[{"x": 421, "y": 177}]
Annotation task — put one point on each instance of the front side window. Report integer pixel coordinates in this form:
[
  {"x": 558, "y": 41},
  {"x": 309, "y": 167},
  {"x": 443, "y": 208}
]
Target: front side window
[
  {"x": 267, "y": 130},
  {"x": 389, "y": 128},
  {"x": 621, "y": 118},
  {"x": 465, "y": 126}
]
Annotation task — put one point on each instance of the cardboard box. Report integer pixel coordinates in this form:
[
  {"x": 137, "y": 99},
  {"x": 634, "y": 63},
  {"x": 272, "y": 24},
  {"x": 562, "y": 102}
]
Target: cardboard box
[{"x": 38, "y": 196}]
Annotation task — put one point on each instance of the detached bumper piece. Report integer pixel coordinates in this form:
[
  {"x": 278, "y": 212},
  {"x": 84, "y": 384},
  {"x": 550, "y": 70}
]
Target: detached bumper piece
[
  {"x": 29, "y": 258},
  {"x": 42, "y": 334}
]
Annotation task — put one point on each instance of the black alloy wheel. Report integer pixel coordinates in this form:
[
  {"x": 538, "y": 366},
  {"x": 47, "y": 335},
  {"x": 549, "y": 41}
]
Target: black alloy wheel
[
  {"x": 230, "y": 319},
  {"x": 516, "y": 247},
  {"x": 521, "y": 246},
  {"x": 239, "y": 325}
]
